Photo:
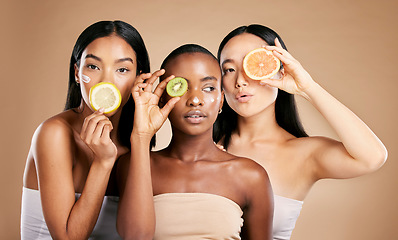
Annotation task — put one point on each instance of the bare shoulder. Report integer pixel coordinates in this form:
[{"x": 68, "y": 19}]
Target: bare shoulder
[
  {"x": 55, "y": 126},
  {"x": 247, "y": 170},
  {"x": 56, "y": 133}
]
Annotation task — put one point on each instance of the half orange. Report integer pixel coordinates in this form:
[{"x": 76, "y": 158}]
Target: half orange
[{"x": 260, "y": 63}]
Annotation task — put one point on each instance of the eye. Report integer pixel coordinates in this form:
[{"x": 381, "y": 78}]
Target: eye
[
  {"x": 92, "y": 66},
  {"x": 123, "y": 70},
  {"x": 209, "y": 89},
  {"x": 228, "y": 70}
]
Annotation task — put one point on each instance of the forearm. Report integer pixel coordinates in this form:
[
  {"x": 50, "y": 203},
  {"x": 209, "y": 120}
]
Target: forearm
[
  {"x": 136, "y": 214},
  {"x": 358, "y": 139},
  {"x": 84, "y": 213}
]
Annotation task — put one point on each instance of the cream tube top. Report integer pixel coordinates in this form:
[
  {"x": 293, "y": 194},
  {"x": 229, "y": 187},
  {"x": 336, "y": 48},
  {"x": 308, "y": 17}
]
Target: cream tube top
[
  {"x": 186, "y": 216},
  {"x": 286, "y": 212},
  {"x": 33, "y": 225}
]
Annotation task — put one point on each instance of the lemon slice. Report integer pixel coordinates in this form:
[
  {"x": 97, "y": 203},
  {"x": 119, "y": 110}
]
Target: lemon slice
[
  {"x": 260, "y": 63},
  {"x": 105, "y": 95}
]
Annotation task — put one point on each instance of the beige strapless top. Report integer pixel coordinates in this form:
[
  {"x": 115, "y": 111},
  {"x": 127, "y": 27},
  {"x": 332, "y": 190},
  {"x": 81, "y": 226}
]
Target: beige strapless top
[{"x": 196, "y": 216}]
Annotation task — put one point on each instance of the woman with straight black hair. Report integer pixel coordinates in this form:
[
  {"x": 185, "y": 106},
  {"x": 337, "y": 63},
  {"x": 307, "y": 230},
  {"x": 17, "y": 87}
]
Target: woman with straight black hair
[
  {"x": 69, "y": 186},
  {"x": 259, "y": 121}
]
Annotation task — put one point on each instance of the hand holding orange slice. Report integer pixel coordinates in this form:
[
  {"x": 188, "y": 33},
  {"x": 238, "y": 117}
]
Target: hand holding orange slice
[
  {"x": 260, "y": 64},
  {"x": 105, "y": 95}
]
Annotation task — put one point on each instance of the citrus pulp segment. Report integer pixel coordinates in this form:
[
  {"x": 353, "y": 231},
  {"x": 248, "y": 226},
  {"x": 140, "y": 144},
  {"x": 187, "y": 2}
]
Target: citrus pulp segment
[{"x": 260, "y": 64}]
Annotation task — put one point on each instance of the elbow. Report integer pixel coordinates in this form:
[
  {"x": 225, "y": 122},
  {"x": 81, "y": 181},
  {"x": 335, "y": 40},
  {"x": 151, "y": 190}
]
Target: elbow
[
  {"x": 382, "y": 158},
  {"x": 378, "y": 159}
]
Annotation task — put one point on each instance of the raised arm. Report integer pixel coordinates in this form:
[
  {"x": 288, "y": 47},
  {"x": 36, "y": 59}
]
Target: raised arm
[
  {"x": 136, "y": 215},
  {"x": 54, "y": 153},
  {"x": 360, "y": 150}
]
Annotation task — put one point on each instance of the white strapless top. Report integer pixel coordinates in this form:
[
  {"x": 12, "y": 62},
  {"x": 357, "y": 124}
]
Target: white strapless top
[
  {"x": 33, "y": 225},
  {"x": 286, "y": 212}
]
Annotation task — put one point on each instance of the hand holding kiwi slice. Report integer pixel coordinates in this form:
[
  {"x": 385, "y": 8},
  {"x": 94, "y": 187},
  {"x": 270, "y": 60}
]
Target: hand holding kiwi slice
[{"x": 177, "y": 87}]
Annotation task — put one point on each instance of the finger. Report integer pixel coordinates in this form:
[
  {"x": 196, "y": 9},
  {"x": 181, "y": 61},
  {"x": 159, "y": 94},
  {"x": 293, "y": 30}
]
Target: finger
[
  {"x": 155, "y": 76},
  {"x": 272, "y": 82},
  {"x": 162, "y": 86},
  {"x": 87, "y": 134},
  {"x": 286, "y": 60},
  {"x": 99, "y": 128},
  {"x": 142, "y": 77},
  {"x": 138, "y": 88},
  {"x": 277, "y": 43},
  {"x": 169, "y": 106},
  {"x": 150, "y": 81},
  {"x": 278, "y": 50},
  {"x": 87, "y": 120},
  {"x": 106, "y": 133}
]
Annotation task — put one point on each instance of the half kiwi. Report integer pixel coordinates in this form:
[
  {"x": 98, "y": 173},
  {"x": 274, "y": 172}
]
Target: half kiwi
[{"x": 176, "y": 87}]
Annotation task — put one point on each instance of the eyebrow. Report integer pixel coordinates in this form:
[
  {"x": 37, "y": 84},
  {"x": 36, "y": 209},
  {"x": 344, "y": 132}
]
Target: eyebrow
[
  {"x": 227, "y": 61},
  {"x": 127, "y": 59},
  {"x": 93, "y": 56},
  {"x": 208, "y": 78}
]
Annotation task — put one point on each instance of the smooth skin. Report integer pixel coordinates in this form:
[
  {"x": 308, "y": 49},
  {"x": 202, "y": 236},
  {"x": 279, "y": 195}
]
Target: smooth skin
[
  {"x": 75, "y": 151},
  {"x": 192, "y": 162},
  {"x": 359, "y": 152}
]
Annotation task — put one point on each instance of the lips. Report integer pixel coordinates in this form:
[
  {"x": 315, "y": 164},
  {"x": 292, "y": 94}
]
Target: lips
[
  {"x": 243, "y": 97},
  {"x": 195, "y": 116}
]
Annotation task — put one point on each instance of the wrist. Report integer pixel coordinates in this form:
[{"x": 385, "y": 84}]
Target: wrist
[
  {"x": 140, "y": 137},
  {"x": 103, "y": 164},
  {"x": 310, "y": 90}
]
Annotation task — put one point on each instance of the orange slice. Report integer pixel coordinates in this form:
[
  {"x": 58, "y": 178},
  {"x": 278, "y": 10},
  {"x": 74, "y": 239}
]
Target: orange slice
[
  {"x": 260, "y": 63},
  {"x": 105, "y": 95}
]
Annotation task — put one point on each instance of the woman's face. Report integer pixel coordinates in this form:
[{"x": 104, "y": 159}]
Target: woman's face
[
  {"x": 107, "y": 59},
  {"x": 198, "y": 108},
  {"x": 244, "y": 95}
]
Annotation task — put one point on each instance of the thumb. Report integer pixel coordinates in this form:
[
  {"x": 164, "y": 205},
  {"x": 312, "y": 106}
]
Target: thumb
[
  {"x": 169, "y": 106},
  {"x": 272, "y": 82}
]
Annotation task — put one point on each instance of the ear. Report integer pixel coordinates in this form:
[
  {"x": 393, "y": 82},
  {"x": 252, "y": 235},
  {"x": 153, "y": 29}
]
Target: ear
[
  {"x": 282, "y": 72},
  {"x": 222, "y": 99},
  {"x": 77, "y": 73}
]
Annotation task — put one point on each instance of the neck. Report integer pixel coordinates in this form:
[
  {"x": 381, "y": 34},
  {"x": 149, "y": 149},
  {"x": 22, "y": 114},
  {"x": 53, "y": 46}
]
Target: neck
[
  {"x": 190, "y": 148},
  {"x": 260, "y": 126}
]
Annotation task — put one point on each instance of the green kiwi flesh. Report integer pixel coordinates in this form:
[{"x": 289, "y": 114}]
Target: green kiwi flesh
[{"x": 176, "y": 87}]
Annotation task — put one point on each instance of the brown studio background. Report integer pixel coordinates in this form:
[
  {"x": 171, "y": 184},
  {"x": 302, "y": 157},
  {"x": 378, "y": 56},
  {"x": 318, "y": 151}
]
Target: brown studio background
[{"x": 349, "y": 47}]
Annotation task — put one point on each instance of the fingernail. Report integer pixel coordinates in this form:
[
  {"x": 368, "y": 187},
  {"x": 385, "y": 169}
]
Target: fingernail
[{"x": 101, "y": 110}]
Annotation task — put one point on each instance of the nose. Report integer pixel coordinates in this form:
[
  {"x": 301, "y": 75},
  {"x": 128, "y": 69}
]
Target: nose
[
  {"x": 241, "y": 81},
  {"x": 108, "y": 76},
  {"x": 195, "y": 99}
]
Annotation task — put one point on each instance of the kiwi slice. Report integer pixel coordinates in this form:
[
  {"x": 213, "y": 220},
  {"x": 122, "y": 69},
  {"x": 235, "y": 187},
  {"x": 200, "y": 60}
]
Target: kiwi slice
[{"x": 176, "y": 87}]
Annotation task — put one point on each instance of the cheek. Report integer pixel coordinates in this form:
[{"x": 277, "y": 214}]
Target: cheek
[
  {"x": 125, "y": 86},
  {"x": 85, "y": 78},
  {"x": 228, "y": 85},
  {"x": 214, "y": 102}
]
